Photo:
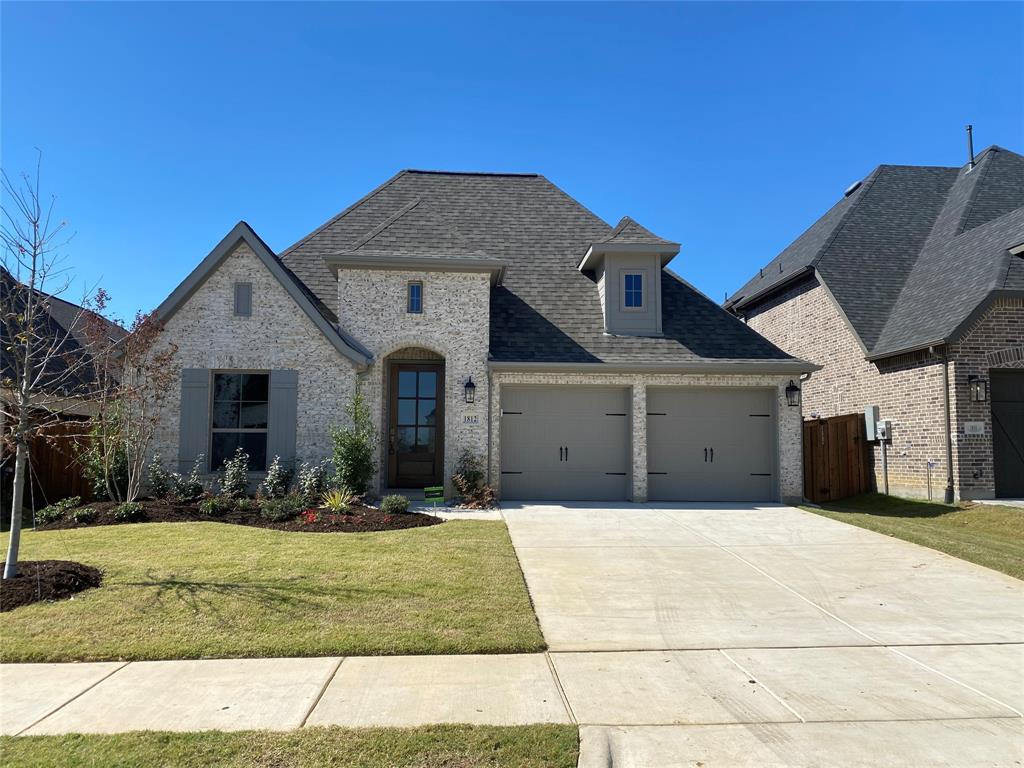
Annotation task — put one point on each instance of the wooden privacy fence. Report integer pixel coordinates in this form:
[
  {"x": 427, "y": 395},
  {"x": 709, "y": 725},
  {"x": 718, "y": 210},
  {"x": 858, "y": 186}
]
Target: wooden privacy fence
[
  {"x": 836, "y": 458},
  {"x": 53, "y": 468}
]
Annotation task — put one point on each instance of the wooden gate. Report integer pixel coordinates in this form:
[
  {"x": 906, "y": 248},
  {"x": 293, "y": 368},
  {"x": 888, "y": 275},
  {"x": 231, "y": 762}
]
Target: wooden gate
[{"x": 835, "y": 458}]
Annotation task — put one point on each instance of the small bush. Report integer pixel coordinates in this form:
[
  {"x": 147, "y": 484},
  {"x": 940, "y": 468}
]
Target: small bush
[
  {"x": 161, "y": 482},
  {"x": 57, "y": 511},
  {"x": 279, "y": 510},
  {"x": 355, "y": 447},
  {"x": 235, "y": 474},
  {"x": 394, "y": 505},
  {"x": 246, "y": 505},
  {"x": 97, "y": 471},
  {"x": 214, "y": 506},
  {"x": 338, "y": 500},
  {"x": 279, "y": 477},
  {"x": 468, "y": 480},
  {"x": 191, "y": 486},
  {"x": 127, "y": 511},
  {"x": 312, "y": 481},
  {"x": 83, "y": 515}
]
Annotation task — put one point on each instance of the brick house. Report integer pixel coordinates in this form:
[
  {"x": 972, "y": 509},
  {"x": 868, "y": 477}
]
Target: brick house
[
  {"x": 909, "y": 287},
  {"x": 488, "y": 313}
]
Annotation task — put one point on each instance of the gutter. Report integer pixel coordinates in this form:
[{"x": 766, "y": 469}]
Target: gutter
[
  {"x": 746, "y": 300},
  {"x": 781, "y": 367}
]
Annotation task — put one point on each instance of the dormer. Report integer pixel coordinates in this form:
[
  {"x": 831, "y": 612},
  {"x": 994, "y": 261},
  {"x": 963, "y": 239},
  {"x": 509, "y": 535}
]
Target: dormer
[{"x": 627, "y": 266}]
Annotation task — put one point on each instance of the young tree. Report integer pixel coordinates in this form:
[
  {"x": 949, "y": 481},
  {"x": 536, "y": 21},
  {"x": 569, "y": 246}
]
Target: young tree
[{"x": 45, "y": 376}]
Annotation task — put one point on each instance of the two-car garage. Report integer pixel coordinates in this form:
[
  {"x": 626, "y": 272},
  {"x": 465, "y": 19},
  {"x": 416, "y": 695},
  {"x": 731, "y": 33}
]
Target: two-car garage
[{"x": 576, "y": 443}]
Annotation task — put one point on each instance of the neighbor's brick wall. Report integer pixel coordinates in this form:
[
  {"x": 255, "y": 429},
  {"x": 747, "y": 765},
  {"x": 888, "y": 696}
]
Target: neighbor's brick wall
[
  {"x": 805, "y": 322},
  {"x": 455, "y": 323},
  {"x": 789, "y": 449},
  {"x": 995, "y": 341},
  {"x": 277, "y": 335}
]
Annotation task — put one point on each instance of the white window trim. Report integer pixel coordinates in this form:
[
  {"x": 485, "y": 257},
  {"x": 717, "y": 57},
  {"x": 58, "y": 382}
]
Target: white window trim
[{"x": 644, "y": 286}]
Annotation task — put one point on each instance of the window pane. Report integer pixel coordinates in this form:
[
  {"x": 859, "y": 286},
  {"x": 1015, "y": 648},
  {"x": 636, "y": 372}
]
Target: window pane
[
  {"x": 255, "y": 444},
  {"x": 428, "y": 410},
  {"x": 407, "y": 383},
  {"x": 254, "y": 416},
  {"x": 406, "y": 411},
  {"x": 223, "y": 448},
  {"x": 428, "y": 384},
  {"x": 225, "y": 416},
  {"x": 415, "y": 295},
  {"x": 405, "y": 439},
  {"x": 425, "y": 439},
  {"x": 226, "y": 386},
  {"x": 255, "y": 386}
]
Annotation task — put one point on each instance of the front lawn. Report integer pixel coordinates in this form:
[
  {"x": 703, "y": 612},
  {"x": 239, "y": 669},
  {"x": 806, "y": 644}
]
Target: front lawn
[
  {"x": 535, "y": 746},
  {"x": 988, "y": 535},
  {"x": 195, "y": 590}
]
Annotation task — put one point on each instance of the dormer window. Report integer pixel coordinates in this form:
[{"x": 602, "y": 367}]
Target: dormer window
[
  {"x": 633, "y": 290},
  {"x": 414, "y": 297}
]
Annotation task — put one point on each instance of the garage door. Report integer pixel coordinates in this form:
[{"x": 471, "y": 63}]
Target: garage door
[
  {"x": 565, "y": 443},
  {"x": 1008, "y": 432},
  {"x": 707, "y": 444}
]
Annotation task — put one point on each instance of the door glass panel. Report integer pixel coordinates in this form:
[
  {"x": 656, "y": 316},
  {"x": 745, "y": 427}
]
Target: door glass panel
[
  {"x": 425, "y": 439},
  {"x": 428, "y": 410},
  {"x": 428, "y": 384},
  {"x": 406, "y": 438},
  {"x": 406, "y": 411},
  {"x": 407, "y": 383}
]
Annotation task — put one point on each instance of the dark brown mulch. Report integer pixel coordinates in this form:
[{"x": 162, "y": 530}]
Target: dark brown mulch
[
  {"x": 39, "y": 580},
  {"x": 360, "y": 518}
]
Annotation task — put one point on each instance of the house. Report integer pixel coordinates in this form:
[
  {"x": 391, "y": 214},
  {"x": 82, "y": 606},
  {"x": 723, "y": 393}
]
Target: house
[
  {"x": 911, "y": 288},
  {"x": 488, "y": 313}
]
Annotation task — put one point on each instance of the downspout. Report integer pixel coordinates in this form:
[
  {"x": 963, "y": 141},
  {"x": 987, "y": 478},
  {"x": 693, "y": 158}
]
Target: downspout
[{"x": 949, "y": 424}]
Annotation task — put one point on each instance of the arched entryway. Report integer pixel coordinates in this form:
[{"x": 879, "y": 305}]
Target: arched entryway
[{"x": 414, "y": 418}]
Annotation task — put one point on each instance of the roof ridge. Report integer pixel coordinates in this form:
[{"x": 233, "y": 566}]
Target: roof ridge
[
  {"x": 470, "y": 173},
  {"x": 373, "y": 231},
  {"x": 965, "y": 214},
  {"x": 865, "y": 187}
]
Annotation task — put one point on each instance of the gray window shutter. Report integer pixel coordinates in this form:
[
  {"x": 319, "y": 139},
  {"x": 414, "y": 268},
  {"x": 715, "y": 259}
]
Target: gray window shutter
[
  {"x": 194, "y": 428},
  {"x": 243, "y": 299},
  {"x": 284, "y": 408}
]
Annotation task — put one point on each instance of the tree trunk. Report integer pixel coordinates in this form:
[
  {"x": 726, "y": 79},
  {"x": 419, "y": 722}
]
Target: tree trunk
[{"x": 11, "y": 566}]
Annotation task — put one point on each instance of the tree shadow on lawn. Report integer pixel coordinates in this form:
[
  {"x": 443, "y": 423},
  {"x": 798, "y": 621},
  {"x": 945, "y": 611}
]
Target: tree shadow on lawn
[{"x": 880, "y": 505}]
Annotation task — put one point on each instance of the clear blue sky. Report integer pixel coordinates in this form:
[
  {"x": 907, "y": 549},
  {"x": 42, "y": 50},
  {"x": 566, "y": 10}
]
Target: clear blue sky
[{"x": 727, "y": 127}]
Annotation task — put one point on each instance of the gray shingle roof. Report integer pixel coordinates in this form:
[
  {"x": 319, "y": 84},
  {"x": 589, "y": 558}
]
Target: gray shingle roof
[
  {"x": 911, "y": 253},
  {"x": 545, "y": 310},
  {"x": 630, "y": 231}
]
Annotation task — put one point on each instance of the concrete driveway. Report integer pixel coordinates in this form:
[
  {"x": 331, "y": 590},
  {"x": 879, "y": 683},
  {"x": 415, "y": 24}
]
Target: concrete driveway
[{"x": 765, "y": 635}]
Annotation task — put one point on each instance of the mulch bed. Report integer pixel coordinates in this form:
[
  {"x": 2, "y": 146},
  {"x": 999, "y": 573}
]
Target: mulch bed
[
  {"x": 360, "y": 518},
  {"x": 40, "y": 580}
]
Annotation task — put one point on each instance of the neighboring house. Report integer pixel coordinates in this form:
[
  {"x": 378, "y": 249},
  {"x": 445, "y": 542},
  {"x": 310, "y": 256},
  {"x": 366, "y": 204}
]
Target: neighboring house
[
  {"x": 916, "y": 274},
  {"x": 488, "y": 313}
]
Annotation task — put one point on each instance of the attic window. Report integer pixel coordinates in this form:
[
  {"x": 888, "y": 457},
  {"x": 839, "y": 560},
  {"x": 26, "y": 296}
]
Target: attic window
[
  {"x": 633, "y": 290},
  {"x": 414, "y": 297}
]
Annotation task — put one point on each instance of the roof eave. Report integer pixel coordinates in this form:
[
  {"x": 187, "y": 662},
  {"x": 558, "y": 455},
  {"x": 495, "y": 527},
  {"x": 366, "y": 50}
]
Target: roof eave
[
  {"x": 763, "y": 367},
  {"x": 596, "y": 251},
  {"x": 764, "y": 293},
  {"x": 494, "y": 267}
]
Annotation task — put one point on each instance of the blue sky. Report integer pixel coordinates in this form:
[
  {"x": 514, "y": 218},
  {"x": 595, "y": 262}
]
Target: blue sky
[{"x": 727, "y": 127}]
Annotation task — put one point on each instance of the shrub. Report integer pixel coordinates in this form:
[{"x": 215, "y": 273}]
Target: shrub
[
  {"x": 246, "y": 505},
  {"x": 312, "y": 481},
  {"x": 214, "y": 506},
  {"x": 354, "y": 447},
  {"x": 127, "y": 511},
  {"x": 279, "y": 477},
  {"x": 468, "y": 480},
  {"x": 338, "y": 500},
  {"x": 95, "y": 471},
  {"x": 161, "y": 482},
  {"x": 394, "y": 505},
  {"x": 279, "y": 510},
  {"x": 235, "y": 475},
  {"x": 190, "y": 487},
  {"x": 57, "y": 511},
  {"x": 83, "y": 515}
]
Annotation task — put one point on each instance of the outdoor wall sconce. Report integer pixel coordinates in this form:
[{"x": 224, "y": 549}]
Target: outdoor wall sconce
[
  {"x": 470, "y": 390},
  {"x": 979, "y": 388},
  {"x": 792, "y": 394}
]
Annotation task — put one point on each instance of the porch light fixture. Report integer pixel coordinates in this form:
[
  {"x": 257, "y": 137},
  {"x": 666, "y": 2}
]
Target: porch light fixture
[
  {"x": 979, "y": 388},
  {"x": 470, "y": 390},
  {"x": 792, "y": 394}
]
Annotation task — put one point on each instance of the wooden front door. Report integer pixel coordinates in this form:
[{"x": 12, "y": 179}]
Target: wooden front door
[{"x": 416, "y": 428}]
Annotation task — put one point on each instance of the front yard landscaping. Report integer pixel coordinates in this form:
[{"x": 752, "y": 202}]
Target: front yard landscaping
[
  {"x": 212, "y": 590},
  {"x": 537, "y": 746},
  {"x": 988, "y": 535}
]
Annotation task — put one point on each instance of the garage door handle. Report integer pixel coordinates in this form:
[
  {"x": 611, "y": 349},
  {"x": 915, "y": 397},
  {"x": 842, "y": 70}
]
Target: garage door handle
[
  {"x": 705, "y": 455},
  {"x": 567, "y": 453},
  {"x": 712, "y": 455},
  {"x": 560, "y": 453}
]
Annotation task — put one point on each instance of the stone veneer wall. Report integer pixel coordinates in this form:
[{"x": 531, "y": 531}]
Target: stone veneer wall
[
  {"x": 455, "y": 323},
  {"x": 995, "y": 341},
  {"x": 789, "y": 450},
  {"x": 278, "y": 334}
]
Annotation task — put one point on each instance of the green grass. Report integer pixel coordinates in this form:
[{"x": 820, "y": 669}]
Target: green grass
[
  {"x": 988, "y": 535},
  {"x": 195, "y": 590},
  {"x": 536, "y": 746}
]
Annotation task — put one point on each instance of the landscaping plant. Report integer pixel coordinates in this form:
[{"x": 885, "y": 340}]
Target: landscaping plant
[
  {"x": 235, "y": 474},
  {"x": 338, "y": 500},
  {"x": 191, "y": 486},
  {"x": 82, "y": 516},
  {"x": 128, "y": 511},
  {"x": 394, "y": 505},
  {"x": 468, "y": 479},
  {"x": 279, "y": 477},
  {"x": 279, "y": 510},
  {"x": 354, "y": 447},
  {"x": 160, "y": 480},
  {"x": 312, "y": 480},
  {"x": 57, "y": 511},
  {"x": 213, "y": 506}
]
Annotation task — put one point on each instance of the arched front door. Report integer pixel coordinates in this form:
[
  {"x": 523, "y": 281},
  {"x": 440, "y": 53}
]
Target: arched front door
[{"x": 416, "y": 425}]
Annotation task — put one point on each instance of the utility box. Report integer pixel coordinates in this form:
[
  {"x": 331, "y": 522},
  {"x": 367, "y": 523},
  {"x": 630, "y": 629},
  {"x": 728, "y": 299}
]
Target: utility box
[
  {"x": 883, "y": 430},
  {"x": 871, "y": 422}
]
